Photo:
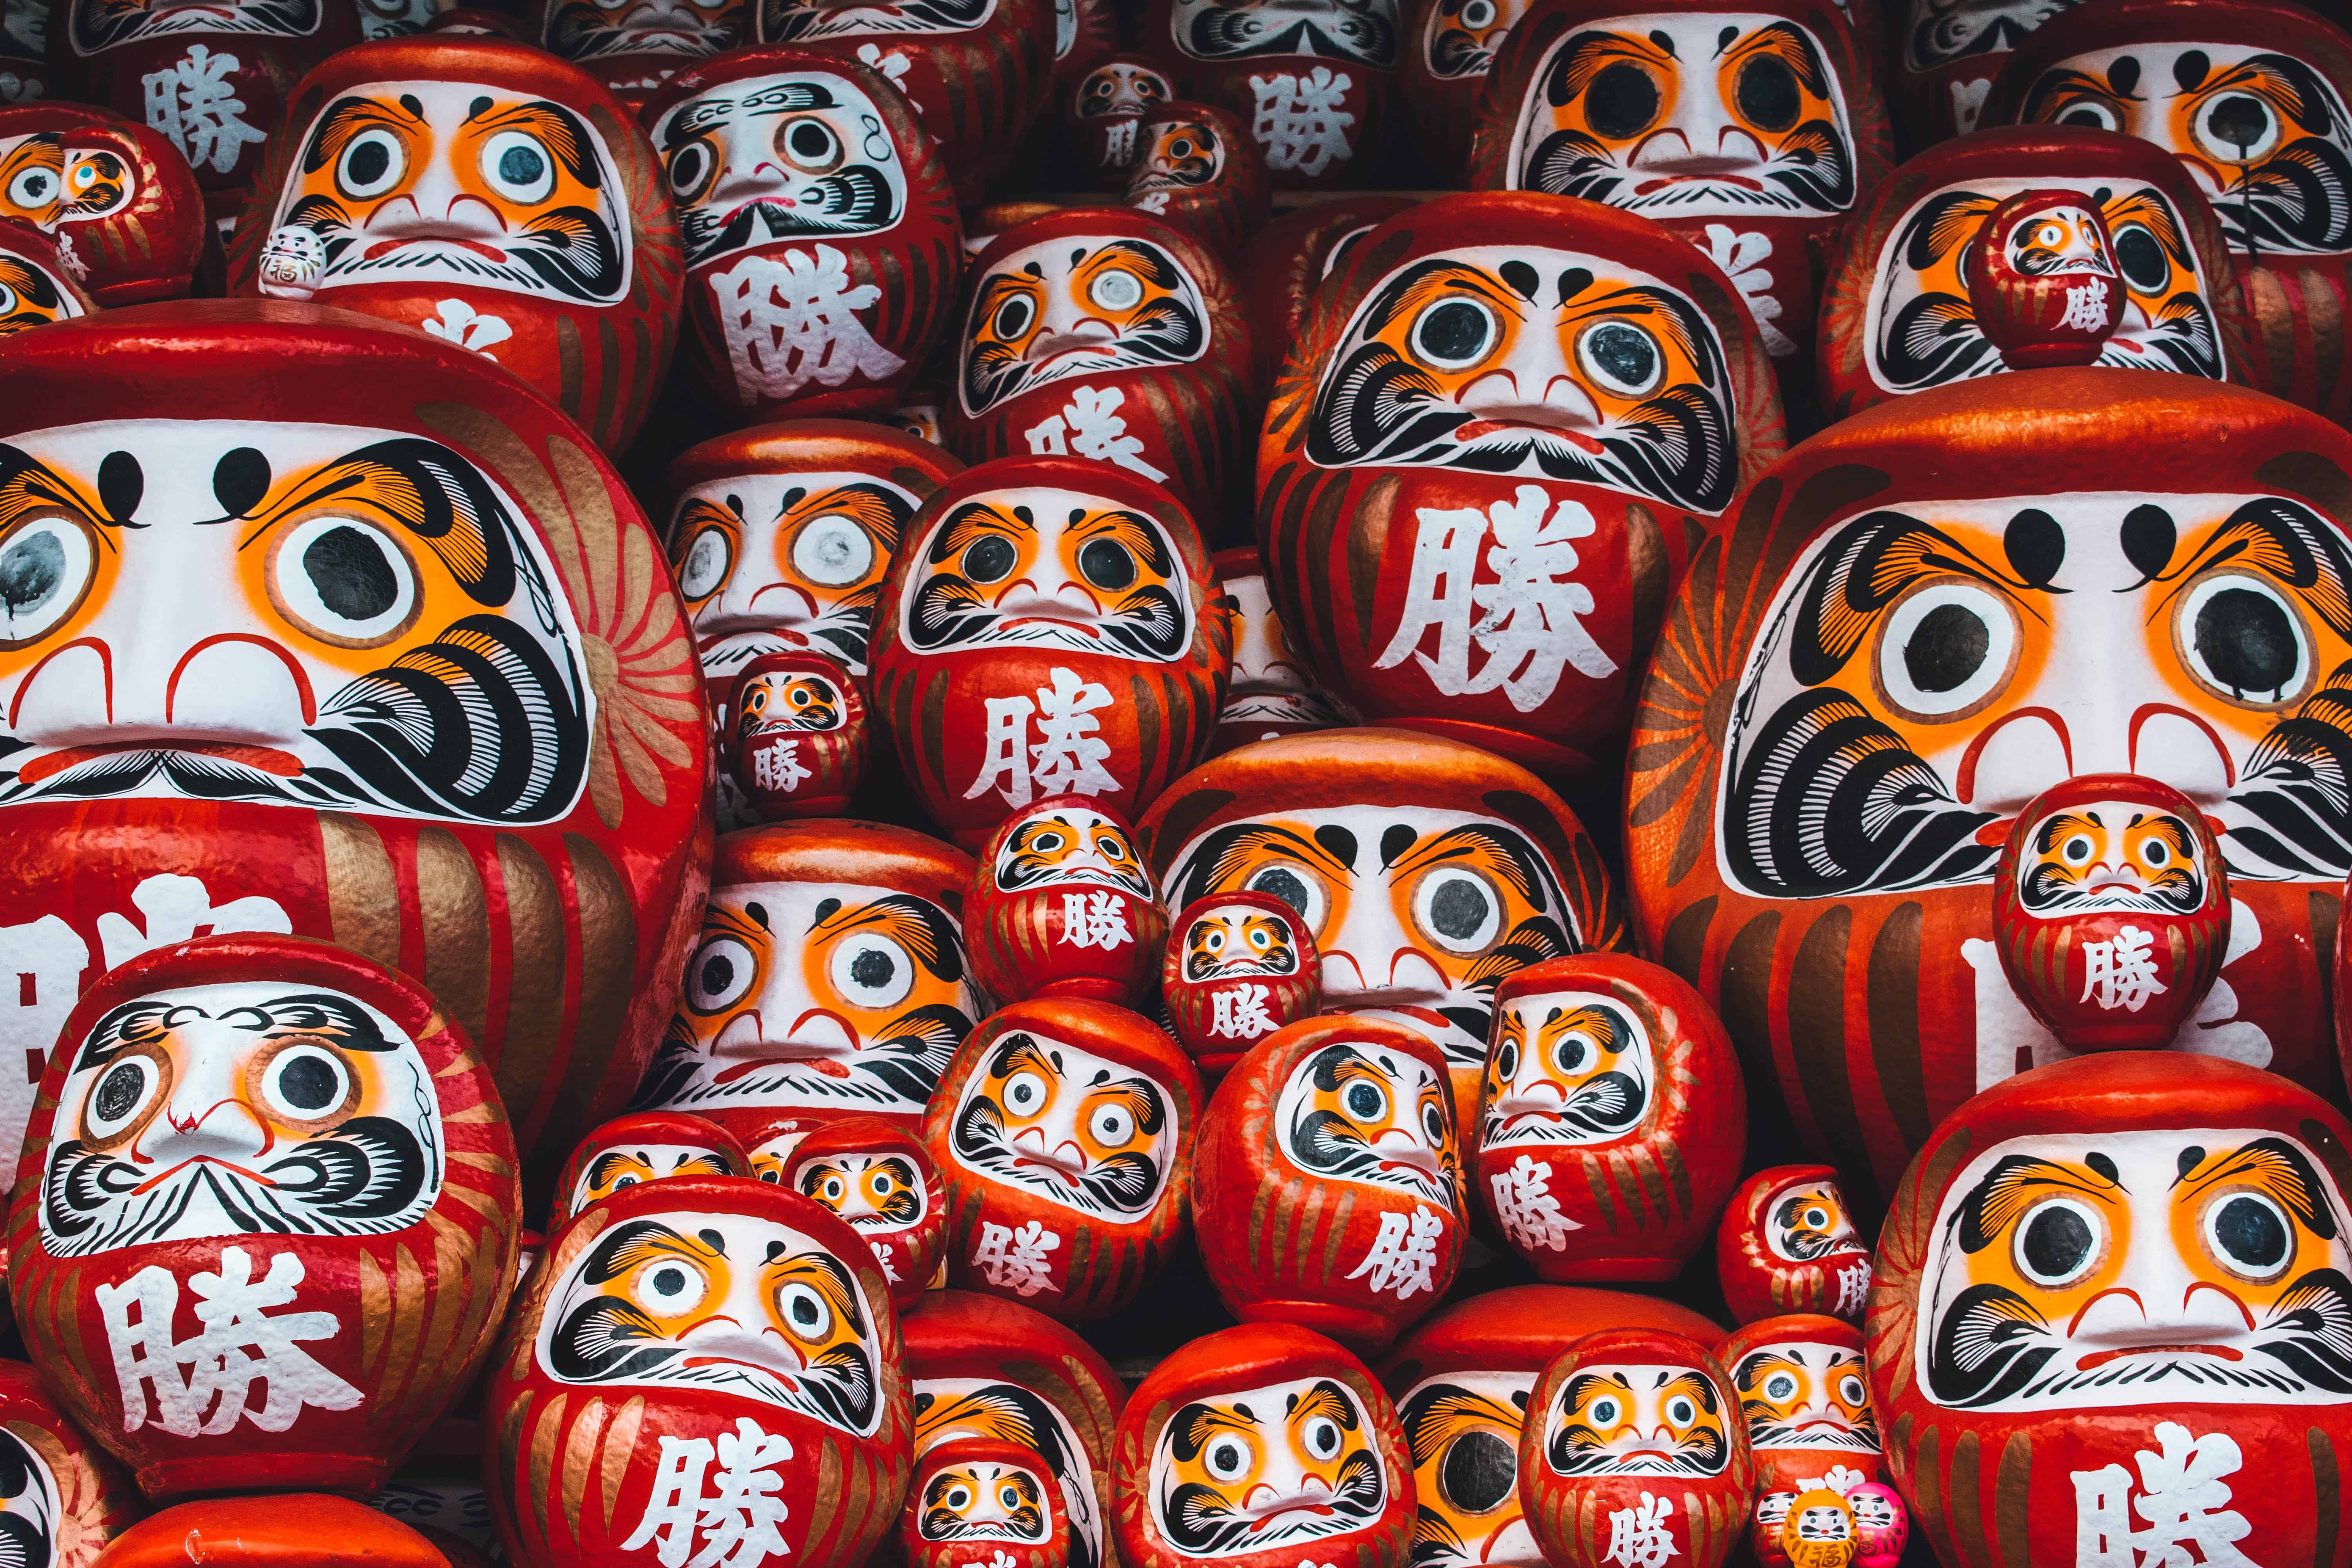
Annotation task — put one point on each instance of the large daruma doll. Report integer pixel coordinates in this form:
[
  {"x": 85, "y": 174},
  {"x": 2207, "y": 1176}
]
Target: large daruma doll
[
  {"x": 1488, "y": 555},
  {"x": 377, "y": 649},
  {"x": 281, "y": 1148},
  {"x": 2160, "y": 1238},
  {"x": 1957, "y": 600},
  {"x": 1049, "y": 629}
]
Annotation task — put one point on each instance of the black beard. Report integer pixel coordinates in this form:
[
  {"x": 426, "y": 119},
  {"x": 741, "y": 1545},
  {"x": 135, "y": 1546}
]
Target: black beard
[
  {"x": 897, "y": 1068},
  {"x": 1810, "y": 166},
  {"x": 1603, "y": 1105},
  {"x": 857, "y": 200},
  {"x": 940, "y": 1524},
  {"x": 1148, "y": 623},
  {"x": 1122, "y": 1186},
  {"x": 1167, "y": 332},
  {"x": 1575, "y": 1450},
  {"x": 1455, "y": 53},
  {"x": 359, "y": 1180},
  {"x": 794, "y": 21},
  {"x": 2047, "y": 892},
  {"x": 99, "y": 27},
  {"x": 1862, "y": 1439},
  {"x": 1324, "y": 1143},
  {"x": 1217, "y": 34},
  {"x": 2299, "y": 199},
  {"x": 1941, "y": 36},
  {"x": 1202, "y": 1522},
  {"x": 569, "y": 251}
]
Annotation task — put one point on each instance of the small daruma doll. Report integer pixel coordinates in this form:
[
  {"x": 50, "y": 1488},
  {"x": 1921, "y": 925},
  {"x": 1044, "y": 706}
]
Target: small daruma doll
[
  {"x": 879, "y": 1177},
  {"x": 278, "y": 1139},
  {"x": 1613, "y": 1122},
  {"x": 711, "y": 1326},
  {"x": 1632, "y": 1437},
  {"x": 1311, "y": 76},
  {"x": 1273, "y": 691},
  {"x": 1195, "y": 168},
  {"x": 2115, "y": 1272},
  {"x": 2045, "y": 287},
  {"x": 1061, "y": 906},
  {"x": 1820, "y": 1530},
  {"x": 1881, "y": 1524},
  {"x": 499, "y": 199},
  {"x": 820, "y": 240},
  {"x": 1062, "y": 1133},
  {"x": 975, "y": 1495},
  {"x": 2112, "y": 909},
  {"x": 1103, "y": 113},
  {"x": 794, "y": 744},
  {"x": 36, "y": 287},
  {"x": 1237, "y": 967},
  {"x": 1328, "y": 1188},
  {"x": 1048, "y": 630},
  {"x": 1114, "y": 336},
  {"x": 1261, "y": 1446},
  {"x": 118, "y": 195},
  {"x": 1805, "y": 1398},
  {"x": 645, "y": 1146},
  {"x": 1788, "y": 1244},
  {"x": 829, "y": 979}
]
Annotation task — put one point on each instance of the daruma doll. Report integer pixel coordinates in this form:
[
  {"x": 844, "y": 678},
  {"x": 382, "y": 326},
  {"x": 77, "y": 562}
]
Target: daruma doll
[
  {"x": 122, "y": 192},
  {"x": 1061, "y": 906},
  {"x": 877, "y": 1176},
  {"x": 976, "y": 1494},
  {"x": 1788, "y": 1244},
  {"x": 1805, "y": 1397},
  {"x": 645, "y": 1146}
]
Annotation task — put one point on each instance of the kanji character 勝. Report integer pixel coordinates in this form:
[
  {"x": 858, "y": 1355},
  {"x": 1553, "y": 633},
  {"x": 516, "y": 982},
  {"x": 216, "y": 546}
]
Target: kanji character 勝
[
  {"x": 193, "y": 102},
  {"x": 1089, "y": 425},
  {"x": 1526, "y": 1209},
  {"x": 1015, "y": 1258},
  {"x": 792, "y": 320},
  {"x": 737, "y": 1517},
  {"x": 777, "y": 765},
  {"x": 1068, "y": 756},
  {"x": 1239, "y": 1011},
  {"x": 2087, "y": 307},
  {"x": 1299, "y": 123},
  {"x": 1095, "y": 920},
  {"x": 2121, "y": 973},
  {"x": 2182, "y": 1497},
  {"x": 1639, "y": 1536},
  {"x": 1404, "y": 1257}
]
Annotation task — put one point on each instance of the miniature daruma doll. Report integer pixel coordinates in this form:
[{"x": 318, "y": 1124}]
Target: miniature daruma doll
[
  {"x": 1103, "y": 112},
  {"x": 1237, "y": 967},
  {"x": 2046, "y": 285},
  {"x": 2111, "y": 909},
  {"x": 1047, "y": 630},
  {"x": 276, "y": 1137},
  {"x": 647, "y": 1146},
  {"x": 1632, "y": 1442},
  {"x": 1062, "y": 1133},
  {"x": 1579, "y": 375},
  {"x": 795, "y": 745},
  {"x": 497, "y": 198},
  {"x": 975, "y": 1495},
  {"x": 1328, "y": 1188},
  {"x": 1820, "y": 1530},
  {"x": 2116, "y": 1272},
  {"x": 1196, "y": 168},
  {"x": 1881, "y": 1524},
  {"x": 1309, "y": 77},
  {"x": 683, "y": 1333},
  {"x": 1805, "y": 1399},
  {"x": 822, "y": 245},
  {"x": 1613, "y": 1122},
  {"x": 1261, "y": 1446},
  {"x": 1061, "y": 906},
  {"x": 121, "y": 192},
  {"x": 1787, "y": 1244},
  {"x": 877, "y": 1176}
]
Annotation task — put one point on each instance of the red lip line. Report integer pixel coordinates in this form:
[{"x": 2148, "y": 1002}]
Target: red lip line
[
  {"x": 265, "y": 759},
  {"x": 386, "y": 247},
  {"x": 1479, "y": 427},
  {"x": 253, "y": 1176},
  {"x": 2092, "y": 1363},
  {"x": 1742, "y": 180},
  {"x": 824, "y": 1065}
]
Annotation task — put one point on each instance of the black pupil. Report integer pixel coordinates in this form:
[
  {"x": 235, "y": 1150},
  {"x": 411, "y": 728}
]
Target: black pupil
[
  {"x": 368, "y": 162},
  {"x": 118, "y": 1092},
  {"x": 1107, "y": 564},
  {"x": 1626, "y": 356},
  {"x": 1363, "y": 1101},
  {"x": 30, "y": 571},
  {"x": 2056, "y": 1242},
  {"x": 2250, "y": 1232},
  {"x": 1229, "y": 1457},
  {"x": 1621, "y": 101},
  {"x": 686, "y": 169},
  {"x": 669, "y": 1281},
  {"x": 349, "y": 569},
  {"x": 1013, "y": 320},
  {"x": 2095, "y": 118},
  {"x": 520, "y": 165},
  {"x": 718, "y": 974},
  {"x": 873, "y": 969},
  {"x": 811, "y": 140},
  {"x": 1454, "y": 332},
  {"x": 2246, "y": 640},
  {"x": 989, "y": 559},
  {"x": 804, "y": 1311},
  {"x": 1286, "y": 886},
  {"x": 1459, "y": 909},
  {"x": 307, "y": 1083},
  {"x": 1571, "y": 1054},
  {"x": 2238, "y": 120},
  {"x": 1946, "y": 648},
  {"x": 1768, "y": 94}
]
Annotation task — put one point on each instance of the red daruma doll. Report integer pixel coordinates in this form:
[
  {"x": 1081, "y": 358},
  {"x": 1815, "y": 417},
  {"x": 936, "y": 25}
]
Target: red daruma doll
[
  {"x": 1261, "y": 1446},
  {"x": 976, "y": 1498},
  {"x": 795, "y": 741},
  {"x": 879, "y": 1177},
  {"x": 1061, "y": 906},
  {"x": 1805, "y": 1400},
  {"x": 1309, "y": 77},
  {"x": 267, "y": 1194},
  {"x": 1047, "y": 630},
  {"x": 1237, "y": 967},
  {"x": 1787, "y": 1244},
  {"x": 647, "y": 1146},
  {"x": 2045, "y": 284}
]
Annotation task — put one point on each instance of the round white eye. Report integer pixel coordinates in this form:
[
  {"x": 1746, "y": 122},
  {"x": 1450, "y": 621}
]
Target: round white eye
[
  {"x": 832, "y": 1191},
  {"x": 958, "y": 1498},
  {"x": 519, "y": 166},
  {"x": 1621, "y": 358},
  {"x": 690, "y": 169},
  {"x": 1506, "y": 1064},
  {"x": 372, "y": 163},
  {"x": 1454, "y": 333},
  {"x": 33, "y": 188},
  {"x": 720, "y": 973},
  {"x": 1604, "y": 1411},
  {"x": 1111, "y": 1126},
  {"x": 804, "y": 1312},
  {"x": 1365, "y": 1100},
  {"x": 45, "y": 569},
  {"x": 1572, "y": 1054},
  {"x": 1321, "y": 1439},
  {"x": 833, "y": 551},
  {"x": 2078, "y": 849},
  {"x": 1680, "y": 1411},
  {"x": 623, "y": 1183},
  {"x": 883, "y": 1183},
  {"x": 1226, "y": 1458},
  {"x": 1946, "y": 648},
  {"x": 1779, "y": 1385},
  {"x": 2093, "y": 113},
  {"x": 344, "y": 581},
  {"x": 702, "y": 570},
  {"x": 1110, "y": 847},
  {"x": 871, "y": 971},
  {"x": 809, "y": 144},
  {"x": 1117, "y": 290},
  {"x": 2241, "y": 637},
  {"x": 1478, "y": 15},
  {"x": 1815, "y": 1218},
  {"x": 1457, "y": 909},
  {"x": 669, "y": 1286},
  {"x": 2058, "y": 1242},
  {"x": 2155, "y": 853},
  {"x": 1850, "y": 1389},
  {"x": 1214, "y": 940},
  {"x": 1433, "y": 1123},
  {"x": 2249, "y": 1234},
  {"x": 122, "y": 1092},
  {"x": 1025, "y": 1094},
  {"x": 1013, "y": 319},
  {"x": 304, "y": 1083},
  {"x": 1295, "y": 886},
  {"x": 2236, "y": 127},
  {"x": 8, "y": 300}
]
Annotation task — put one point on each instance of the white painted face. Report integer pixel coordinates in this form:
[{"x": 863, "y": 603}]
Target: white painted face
[
  {"x": 813, "y": 21},
  {"x": 31, "y": 294},
  {"x": 1921, "y": 326},
  {"x": 1364, "y": 31},
  {"x": 722, "y": 1303},
  {"x": 684, "y": 31},
  {"x": 1462, "y": 1428},
  {"x": 1980, "y": 651},
  {"x": 30, "y": 1506},
  {"x": 1270, "y": 684},
  {"x": 1071, "y": 844},
  {"x": 879, "y": 1192},
  {"x": 792, "y": 156},
  {"x": 1068, "y": 309},
  {"x": 1567, "y": 1067},
  {"x": 1680, "y": 115},
  {"x": 240, "y": 1110},
  {"x": 1049, "y": 568},
  {"x": 2106, "y": 1270},
  {"x": 1264, "y": 1468},
  {"x": 2266, "y": 136},
  {"x": 1418, "y": 912},
  {"x": 1637, "y": 1420},
  {"x": 2110, "y": 855},
  {"x": 1461, "y": 37},
  {"x": 1118, "y": 88},
  {"x": 818, "y": 996},
  {"x": 950, "y": 1407},
  {"x": 46, "y": 180},
  {"x": 1370, "y": 1116},
  {"x": 1807, "y": 1222},
  {"x": 152, "y": 647},
  {"x": 460, "y": 183},
  {"x": 1066, "y": 1125},
  {"x": 981, "y": 1502},
  {"x": 1937, "y": 32},
  {"x": 1806, "y": 1395}
]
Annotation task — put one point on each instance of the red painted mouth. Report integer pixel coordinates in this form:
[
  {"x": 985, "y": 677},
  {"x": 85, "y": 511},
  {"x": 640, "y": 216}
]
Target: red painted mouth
[
  {"x": 1742, "y": 180},
  {"x": 2092, "y": 1362},
  {"x": 263, "y": 759},
  {"x": 386, "y": 247},
  {"x": 160, "y": 1177},
  {"x": 1479, "y": 427},
  {"x": 807, "y": 1057}
]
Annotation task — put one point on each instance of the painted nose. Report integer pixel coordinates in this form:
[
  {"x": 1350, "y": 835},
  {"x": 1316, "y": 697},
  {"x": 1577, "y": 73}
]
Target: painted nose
[{"x": 1534, "y": 385}]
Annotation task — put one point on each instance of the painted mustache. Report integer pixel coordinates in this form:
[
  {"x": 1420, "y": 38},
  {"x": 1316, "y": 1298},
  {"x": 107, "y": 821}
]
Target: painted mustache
[{"x": 851, "y": 200}]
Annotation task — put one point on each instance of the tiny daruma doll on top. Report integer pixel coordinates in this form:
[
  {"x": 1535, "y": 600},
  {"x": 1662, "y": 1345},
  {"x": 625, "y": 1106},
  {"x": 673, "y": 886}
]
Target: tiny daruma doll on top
[
  {"x": 1787, "y": 1244},
  {"x": 1061, "y": 906}
]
